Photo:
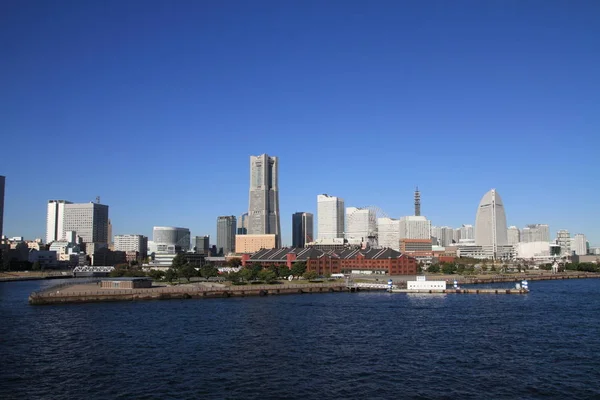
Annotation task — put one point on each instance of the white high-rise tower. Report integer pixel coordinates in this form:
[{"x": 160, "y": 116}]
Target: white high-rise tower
[
  {"x": 490, "y": 222},
  {"x": 330, "y": 217}
]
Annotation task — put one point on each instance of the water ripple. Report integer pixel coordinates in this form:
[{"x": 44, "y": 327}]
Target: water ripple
[{"x": 366, "y": 345}]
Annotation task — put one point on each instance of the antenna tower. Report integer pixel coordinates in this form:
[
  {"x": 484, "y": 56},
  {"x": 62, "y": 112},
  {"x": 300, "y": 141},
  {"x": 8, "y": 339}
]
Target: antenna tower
[{"x": 417, "y": 202}]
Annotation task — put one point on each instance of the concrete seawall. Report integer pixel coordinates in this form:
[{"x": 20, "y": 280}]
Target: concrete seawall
[{"x": 166, "y": 293}]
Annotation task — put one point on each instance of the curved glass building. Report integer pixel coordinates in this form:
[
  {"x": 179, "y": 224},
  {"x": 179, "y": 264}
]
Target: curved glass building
[
  {"x": 490, "y": 222},
  {"x": 170, "y": 235}
]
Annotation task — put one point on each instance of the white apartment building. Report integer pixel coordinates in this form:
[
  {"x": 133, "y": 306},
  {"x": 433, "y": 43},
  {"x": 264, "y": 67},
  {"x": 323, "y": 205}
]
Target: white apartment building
[
  {"x": 579, "y": 244},
  {"x": 467, "y": 232},
  {"x": 388, "y": 231},
  {"x": 535, "y": 233},
  {"x": 360, "y": 224},
  {"x": 137, "y": 243},
  {"x": 456, "y": 235},
  {"x": 55, "y": 220},
  {"x": 443, "y": 235},
  {"x": 330, "y": 217},
  {"x": 514, "y": 235},
  {"x": 415, "y": 227},
  {"x": 563, "y": 239}
]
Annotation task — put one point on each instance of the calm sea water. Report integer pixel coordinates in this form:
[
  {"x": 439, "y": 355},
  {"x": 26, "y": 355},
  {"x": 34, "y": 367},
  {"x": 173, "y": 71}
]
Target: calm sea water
[{"x": 326, "y": 346}]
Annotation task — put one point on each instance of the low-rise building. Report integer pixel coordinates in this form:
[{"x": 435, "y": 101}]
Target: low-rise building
[
  {"x": 254, "y": 243},
  {"x": 384, "y": 261},
  {"x": 126, "y": 283}
]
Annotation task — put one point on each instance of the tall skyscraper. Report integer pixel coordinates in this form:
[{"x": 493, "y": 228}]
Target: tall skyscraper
[
  {"x": 417, "y": 202},
  {"x": 513, "y": 235},
  {"x": 302, "y": 229},
  {"x": 415, "y": 227},
  {"x": 388, "y": 233},
  {"x": 490, "y": 222},
  {"x": 242, "y": 224},
  {"x": 263, "y": 208},
  {"x": 89, "y": 220},
  {"x": 2, "y": 184},
  {"x": 55, "y": 218},
  {"x": 361, "y": 223},
  {"x": 202, "y": 245},
  {"x": 226, "y": 229},
  {"x": 330, "y": 217}
]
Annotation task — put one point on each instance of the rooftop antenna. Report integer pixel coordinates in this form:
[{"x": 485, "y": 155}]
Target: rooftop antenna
[
  {"x": 417, "y": 202},
  {"x": 98, "y": 199}
]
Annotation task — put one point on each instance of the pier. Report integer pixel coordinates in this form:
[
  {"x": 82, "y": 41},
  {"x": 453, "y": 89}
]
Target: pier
[
  {"x": 91, "y": 292},
  {"x": 463, "y": 291}
]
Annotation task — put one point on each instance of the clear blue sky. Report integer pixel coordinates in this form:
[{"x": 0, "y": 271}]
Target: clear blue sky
[{"x": 156, "y": 106}]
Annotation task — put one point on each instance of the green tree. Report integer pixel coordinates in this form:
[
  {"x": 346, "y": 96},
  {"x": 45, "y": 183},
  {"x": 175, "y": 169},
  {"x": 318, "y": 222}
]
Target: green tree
[
  {"x": 171, "y": 275},
  {"x": 298, "y": 268},
  {"x": 448, "y": 268},
  {"x": 208, "y": 271},
  {"x": 234, "y": 277},
  {"x": 310, "y": 275},
  {"x": 179, "y": 262},
  {"x": 246, "y": 274},
  {"x": 36, "y": 266},
  {"x": 267, "y": 276},
  {"x": 434, "y": 268},
  {"x": 283, "y": 271},
  {"x": 156, "y": 274},
  {"x": 234, "y": 262},
  {"x": 187, "y": 271}
]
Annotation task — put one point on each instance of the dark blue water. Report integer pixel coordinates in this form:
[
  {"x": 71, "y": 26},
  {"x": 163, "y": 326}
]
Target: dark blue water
[{"x": 368, "y": 345}]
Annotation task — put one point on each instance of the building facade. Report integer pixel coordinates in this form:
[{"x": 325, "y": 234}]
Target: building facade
[
  {"x": 302, "y": 229},
  {"x": 388, "y": 233},
  {"x": 361, "y": 223},
  {"x": 415, "y": 227},
  {"x": 254, "y": 243},
  {"x": 263, "y": 208},
  {"x": 202, "y": 245},
  {"x": 467, "y": 232},
  {"x": 370, "y": 261},
  {"x": 226, "y": 231},
  {"x": 242, "y": 224},
  {"x": 513, "y": 235},
  {"x": 563, "y": 239},
  {"x": 535, "y": 233},
  {"x": 88, "y": 220},
  {"x": 132, "y": 243},
  {"x": 330, "y": 217},
  {"x": 55, "y": 218},
  {"x": 579, "y": 245},
  {"x": 171, "y": 236},
  {"x": 490, "y": 223}
]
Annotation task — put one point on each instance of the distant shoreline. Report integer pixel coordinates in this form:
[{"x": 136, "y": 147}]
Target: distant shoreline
[{"x": 91, "y": 292}]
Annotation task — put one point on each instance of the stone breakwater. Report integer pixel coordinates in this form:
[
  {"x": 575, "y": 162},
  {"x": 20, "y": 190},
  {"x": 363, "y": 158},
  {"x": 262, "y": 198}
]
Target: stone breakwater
[{"x": 93, "y": 293}]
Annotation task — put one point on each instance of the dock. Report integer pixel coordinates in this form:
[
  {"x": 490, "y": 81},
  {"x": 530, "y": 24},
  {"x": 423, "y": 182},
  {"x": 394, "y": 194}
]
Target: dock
[
  {"x": 90, "y": 292},
  {"x": 463, "y": 291}
]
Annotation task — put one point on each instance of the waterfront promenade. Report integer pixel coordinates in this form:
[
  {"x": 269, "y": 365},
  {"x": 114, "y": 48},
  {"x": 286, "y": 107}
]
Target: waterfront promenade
[{"x": 90, "y": 290}]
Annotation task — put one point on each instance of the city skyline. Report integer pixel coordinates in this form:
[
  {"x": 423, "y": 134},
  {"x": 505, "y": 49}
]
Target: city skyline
[{"x": 458, "y": 102}]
